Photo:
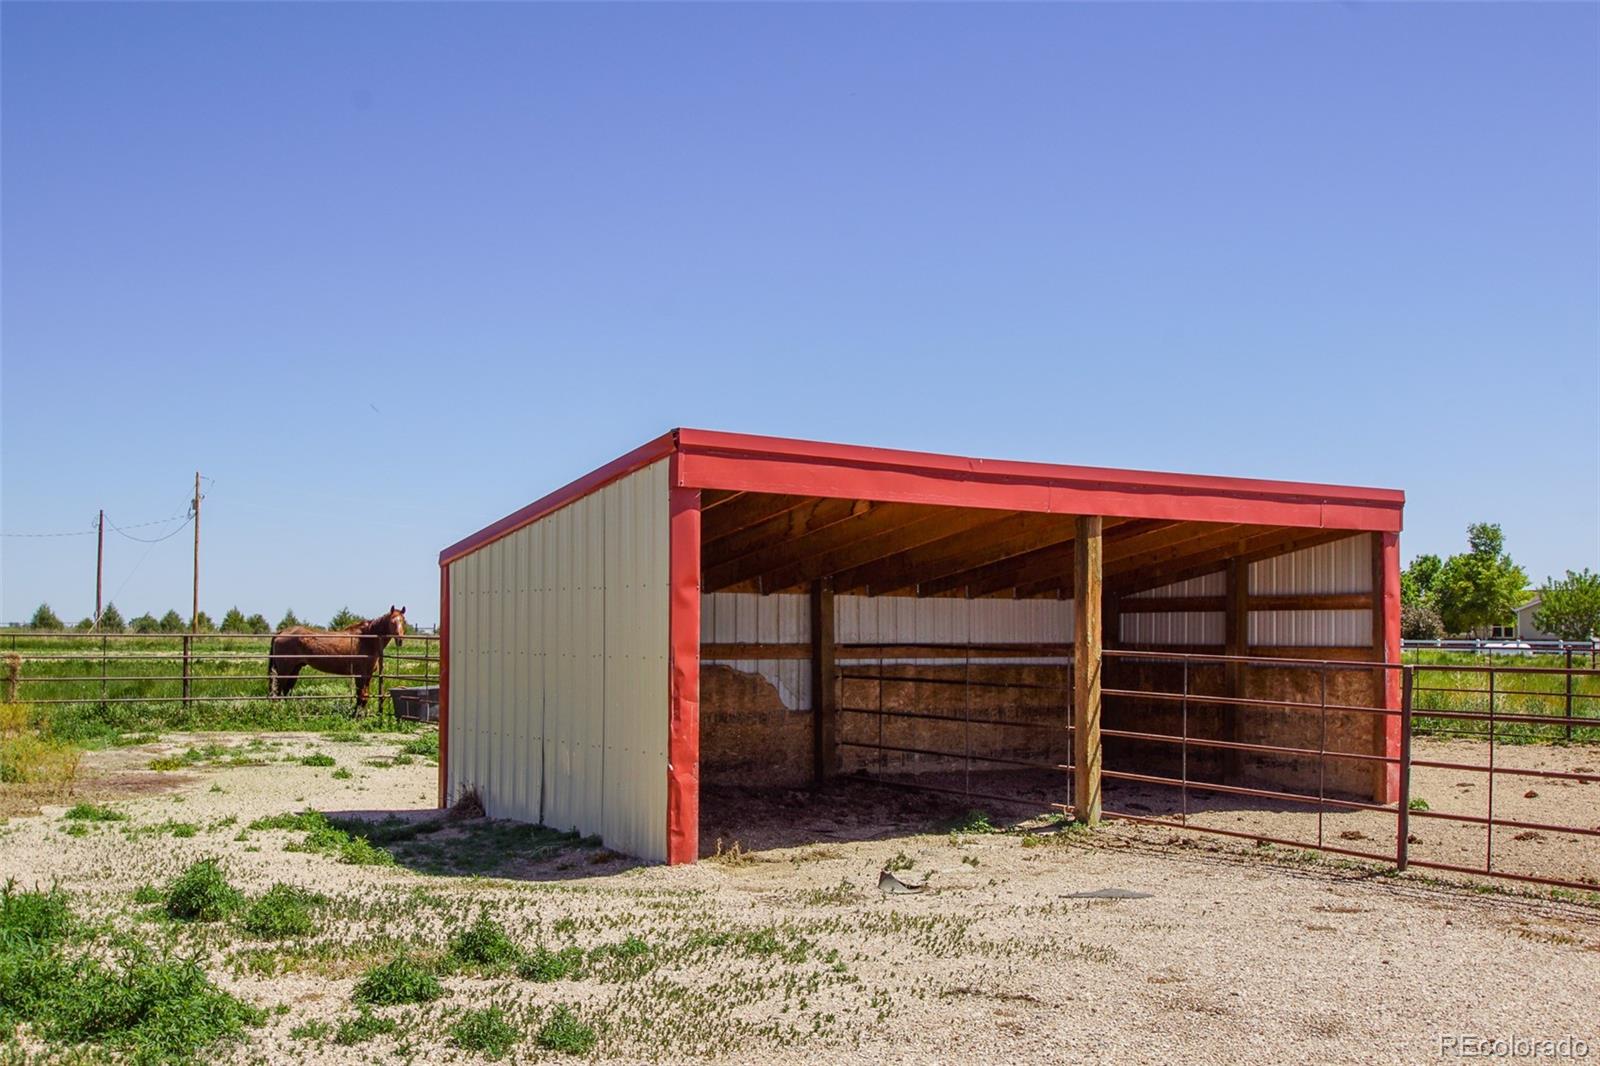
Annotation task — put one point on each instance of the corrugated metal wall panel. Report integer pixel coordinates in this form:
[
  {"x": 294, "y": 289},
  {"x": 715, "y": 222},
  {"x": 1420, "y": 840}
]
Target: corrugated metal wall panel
[
  {"x": 943, "y": 620},
  {"x": 1311, "y": 629},
  {"x": 558, "y": 694},
  {"x": 1205, "y": 585},
  {"x": 1174, "y": 627},
  {"x": 1343, "y": 566}
]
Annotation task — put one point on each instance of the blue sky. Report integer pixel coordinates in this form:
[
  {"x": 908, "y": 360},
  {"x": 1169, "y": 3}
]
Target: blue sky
[{"x": 385, "y": 272}]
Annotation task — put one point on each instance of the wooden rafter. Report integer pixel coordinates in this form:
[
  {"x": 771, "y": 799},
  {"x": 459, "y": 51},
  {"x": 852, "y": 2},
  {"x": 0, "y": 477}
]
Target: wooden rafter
[
  {"x": 847, "y": 552},
  {"x": 806, "y": 517},
  {"x": 749, "y": 509},
  {"x": 1009, "y": 533}
]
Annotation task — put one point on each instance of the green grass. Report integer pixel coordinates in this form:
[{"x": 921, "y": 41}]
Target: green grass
[
  {"x": 363, "y": 1027},
  {"x": 93, "y": 812},
  {"x": 542, "y": 964},
  {"x": 202, "y": 894},
  {"x": 483, "y": 944},
  {"x": 33, "y": 918},
  {"x": 425, "y": 745},
  {"x": 323, "y": 837},
  {"x": 283, "y": 911},
  {"x": 485, "y": 1031},
  {"x": 1528, "y": 694},
  {"x": 400, "y": 980},
  {"x": 565, "y": 1032},
  {"x": 156, "y": 687}
]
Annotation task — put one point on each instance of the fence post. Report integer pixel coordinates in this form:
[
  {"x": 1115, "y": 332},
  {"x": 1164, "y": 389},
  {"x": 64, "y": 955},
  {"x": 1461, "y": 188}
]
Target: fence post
[
  {"x": 1402, "y": 844},
  {"x": 186, "y": 638},
  {"x": 1569, "y": 693}
]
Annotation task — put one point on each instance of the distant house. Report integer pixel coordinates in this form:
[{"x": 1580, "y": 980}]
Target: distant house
[{"x": 1525, "y": 629}]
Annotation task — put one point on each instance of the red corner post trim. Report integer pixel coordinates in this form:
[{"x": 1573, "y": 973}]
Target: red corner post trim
[
  {"x": 683, "y": 683},
  {"x": 444, "y": 684},
  {"x": 1390, "y": 545}
]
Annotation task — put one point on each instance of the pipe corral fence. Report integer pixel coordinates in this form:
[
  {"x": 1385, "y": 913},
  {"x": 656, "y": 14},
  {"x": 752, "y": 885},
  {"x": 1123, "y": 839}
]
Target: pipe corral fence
[{"x": 191, "y": 672}]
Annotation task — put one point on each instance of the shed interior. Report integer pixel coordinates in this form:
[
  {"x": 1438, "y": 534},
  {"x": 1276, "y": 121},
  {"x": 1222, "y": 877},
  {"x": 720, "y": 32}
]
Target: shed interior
[{"x": 930, "y": 647}]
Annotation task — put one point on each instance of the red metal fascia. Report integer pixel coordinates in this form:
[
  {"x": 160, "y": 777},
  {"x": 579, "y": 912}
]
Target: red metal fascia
[
  {"x": 683, "y": 680},
  {"x": 737, "y": 462},
  {"x": 620, "y": 467}
]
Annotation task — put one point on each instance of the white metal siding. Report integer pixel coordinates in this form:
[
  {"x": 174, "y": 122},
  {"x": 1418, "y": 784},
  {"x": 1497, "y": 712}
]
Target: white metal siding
[
  {"x": 1343, "y": 566},
  {"x": 558, "y": 668}
]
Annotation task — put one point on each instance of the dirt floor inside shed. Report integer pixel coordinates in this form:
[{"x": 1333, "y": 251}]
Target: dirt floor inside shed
[{"x": 783, "y": 948}]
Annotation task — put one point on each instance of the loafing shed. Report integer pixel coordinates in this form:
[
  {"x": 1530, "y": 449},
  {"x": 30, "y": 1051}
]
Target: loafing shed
[{"x": 771, "y": 611}]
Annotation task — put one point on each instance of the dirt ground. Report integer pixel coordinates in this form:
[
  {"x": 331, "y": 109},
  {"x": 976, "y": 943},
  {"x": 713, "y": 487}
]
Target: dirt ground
[{"x": 783, "y": 948}]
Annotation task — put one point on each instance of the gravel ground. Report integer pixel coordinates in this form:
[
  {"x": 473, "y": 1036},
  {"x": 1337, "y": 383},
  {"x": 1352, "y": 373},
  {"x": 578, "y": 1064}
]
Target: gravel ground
[{"x": 1239, "y": 953}]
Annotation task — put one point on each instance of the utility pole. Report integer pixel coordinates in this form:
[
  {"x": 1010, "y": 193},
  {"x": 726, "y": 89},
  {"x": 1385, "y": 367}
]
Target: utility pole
[
  {"x": 194, "y": 609},
  {"x": 99, "y": 567},
  {"x": 99, "y": 586}
]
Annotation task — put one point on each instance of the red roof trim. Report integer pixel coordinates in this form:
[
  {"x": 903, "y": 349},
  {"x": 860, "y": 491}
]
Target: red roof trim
[{"x": 743, "y": 462}]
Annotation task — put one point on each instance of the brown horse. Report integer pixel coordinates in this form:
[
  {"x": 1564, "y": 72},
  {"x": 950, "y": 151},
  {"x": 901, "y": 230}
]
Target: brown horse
[{"x": 353, "y": 651}]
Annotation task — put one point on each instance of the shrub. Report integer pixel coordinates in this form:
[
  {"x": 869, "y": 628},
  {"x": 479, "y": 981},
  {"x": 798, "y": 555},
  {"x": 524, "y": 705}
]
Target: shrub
[
  {"x": 32, "y": 918},
  {"x": 28, "y": 759},
  {"x": 171, "y": 622},
  {"x": 289, "y": 619},
  {"x": 563, "y": 1031},
  {"x": 400, "y": 980},
  {"x": 111, "y": 620},
  {"x": 283, "y": 910},
  {"x": 363, "y": 1027},
  {"x": 1420, "y": 621},
  {"x": 483, "y": 943},
  {"x": 94, "y": 812},
  {"x": 486, "y": 1031},
  {"x": 202, "y": 894},
  {"x": 257, "y": 623},
  {"x": 45, "y": 618},
  {"x": 542, "y": 964},
  {"x": 233, "y": 622},
  {"x": 145, "y": 623}
]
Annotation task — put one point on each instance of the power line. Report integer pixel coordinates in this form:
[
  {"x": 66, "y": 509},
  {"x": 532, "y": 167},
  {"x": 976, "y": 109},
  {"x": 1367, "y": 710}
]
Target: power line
[
  {"x": 91, "y": 532},
  {"x": 154, "y": 540}
]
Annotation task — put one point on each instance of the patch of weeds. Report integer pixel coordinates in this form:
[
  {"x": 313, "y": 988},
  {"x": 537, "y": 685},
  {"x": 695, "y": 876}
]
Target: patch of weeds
[
  {"x": 94, "y": 812},
  {"x": 542, "y": 964},
  {"x": 324, "y": 838},
  {"x": 76, "y": 829},
  {"x": 147, "y": 894},
  {"x": 317, "y": 758},
  {"x": 282, "y": 911},
  {"x": 970, "y": 860},
  {"x": 400, "y": 980},
  {"x": 316, "y": 1029},
  {"x": 733, "y": 855},
  {"x": 202, "y": 894},
  {"x": 487, "y": 1031},
  {"x": 342, "y": 774},
  {"x": 426, "y": 745},
  {"x": 483, "y": 944},
  {"x": 363, "y": 1027},
  {"x": 36, "y": 917},
  {"x": 151, "y": 1009},
  {"x": 565, "y": 1032},
  {"x": 1417, "y": 804},
  {"x": 974, "y": 822},
  {"x": 1031, "y": 840},
  {"x": 401, "y": 760},
  {"x": 901, "y": 861},
  {"x": 840, "y": 895}
]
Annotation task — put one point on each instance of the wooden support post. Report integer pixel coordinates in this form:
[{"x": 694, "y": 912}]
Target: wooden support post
[
  {"x": 1236, "y": 641},
  {"x": 1087, "y": 556},
  {"x": 1386, "y": 649},
  {"x": 824, "y": 698}
]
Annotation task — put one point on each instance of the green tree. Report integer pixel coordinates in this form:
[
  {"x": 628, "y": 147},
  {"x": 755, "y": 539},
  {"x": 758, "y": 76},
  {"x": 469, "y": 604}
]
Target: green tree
[
  {"x": 84, "y": 624},
  {"x": 257, "y": 623},
  {"x": 204, "y": 624},
  {"x": 111, "y": 620},
  {"x": 1420, "y": 620},
  {"x": 172, "y": 622},
  {"x": 1570, "y": 608},
  {"x": 289, "y": 619},
  {"x": 233, "y": 621},
  {"x": 1482, "y": 587},
  {"x": 45, "y": 618},
  {"x": 1418, "y": 579},
  {"x": 145, "y": 623},
  {"x": 345, "y": 617}
]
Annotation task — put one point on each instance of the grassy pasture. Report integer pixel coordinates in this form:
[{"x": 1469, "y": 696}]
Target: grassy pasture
[
  {"x": 1456, "y": 682},
  {"x": 142, "y": 688}
]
